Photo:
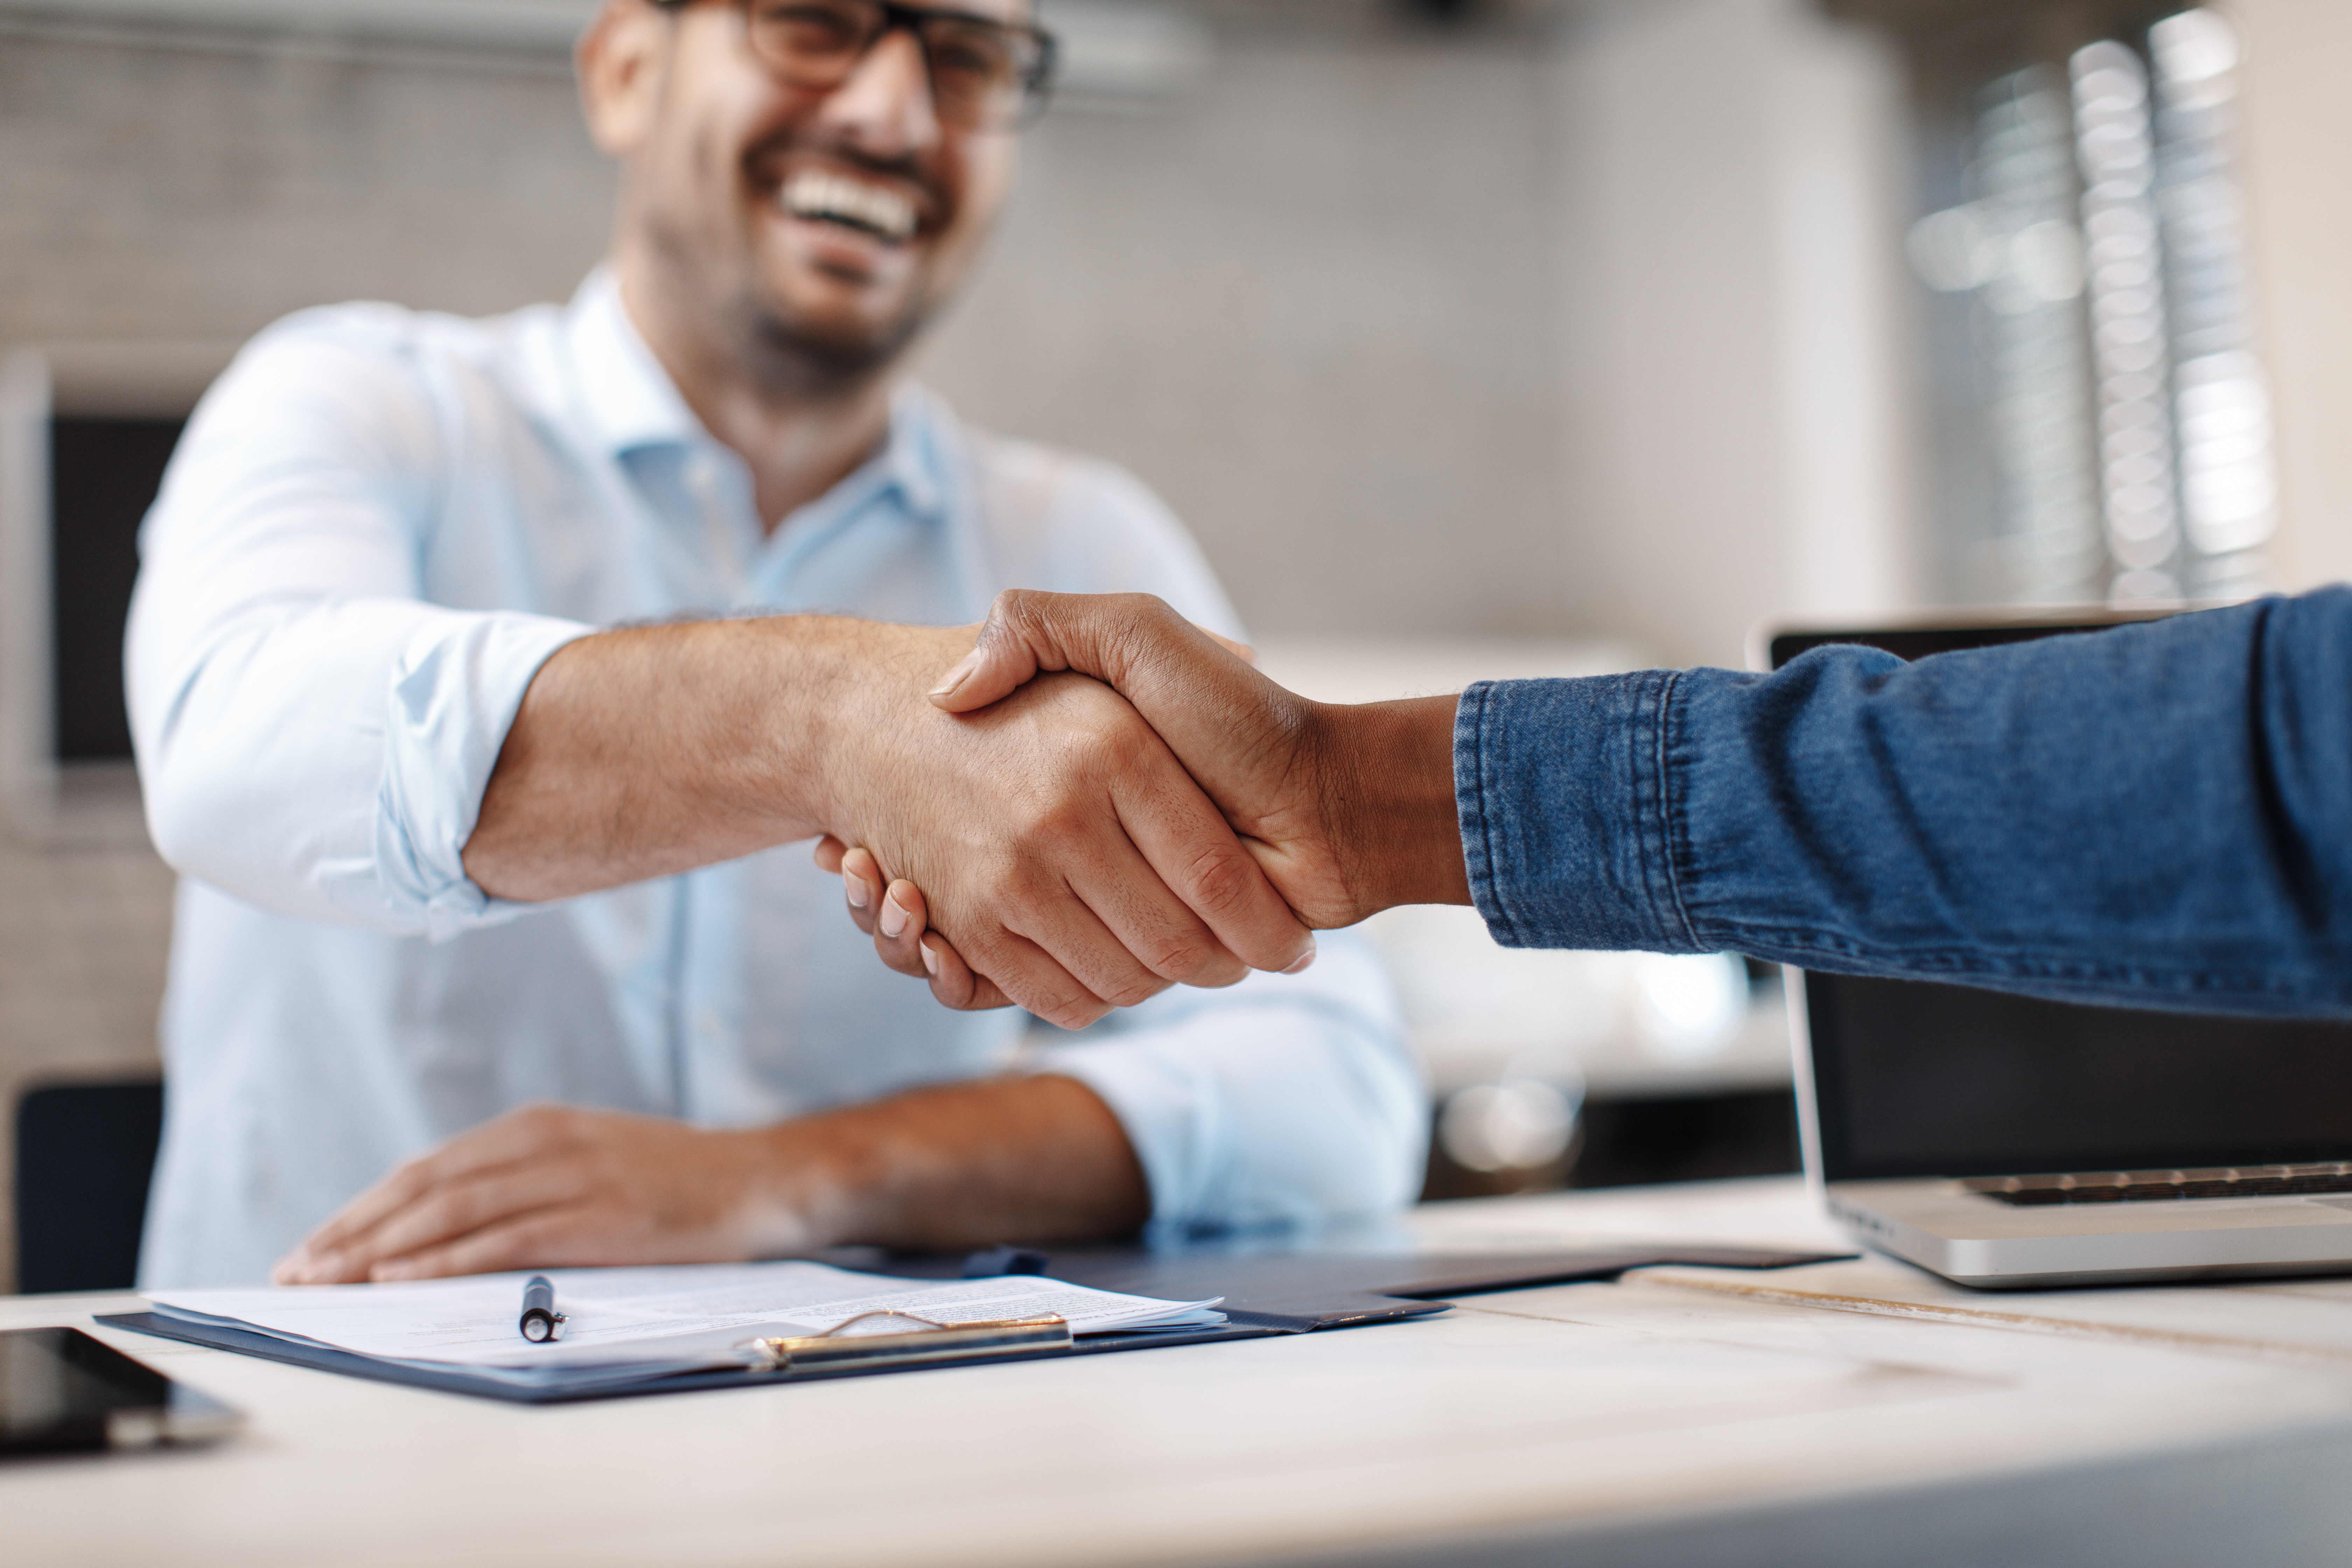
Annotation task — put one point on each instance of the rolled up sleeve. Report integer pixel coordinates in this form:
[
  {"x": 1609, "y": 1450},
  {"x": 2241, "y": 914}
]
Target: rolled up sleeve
[
  {"x": 312, "y": 735},
  {"x": 1283, "y": 1099}
]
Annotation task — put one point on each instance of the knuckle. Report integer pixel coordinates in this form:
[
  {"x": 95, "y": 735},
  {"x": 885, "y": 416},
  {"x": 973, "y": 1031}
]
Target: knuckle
[
  {"x": 1180, "y": 957},
  {"x": 1221, "y": 880},
  {"x": 1131, "y": 993}
]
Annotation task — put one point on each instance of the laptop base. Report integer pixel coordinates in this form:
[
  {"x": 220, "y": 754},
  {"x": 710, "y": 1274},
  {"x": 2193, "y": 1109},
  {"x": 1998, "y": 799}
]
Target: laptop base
[{"x": 1973, "y": 1240}]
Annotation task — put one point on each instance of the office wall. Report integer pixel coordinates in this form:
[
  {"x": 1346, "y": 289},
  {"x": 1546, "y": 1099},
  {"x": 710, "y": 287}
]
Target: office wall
[
  {"x": 1315, "y": 300},
  {"x": 2298, "y": 127},
  {"x": 180, "y": 184}
]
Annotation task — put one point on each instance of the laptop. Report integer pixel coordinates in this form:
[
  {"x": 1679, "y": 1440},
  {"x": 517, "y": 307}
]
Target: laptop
[{"x": 2007, "y": 1141}]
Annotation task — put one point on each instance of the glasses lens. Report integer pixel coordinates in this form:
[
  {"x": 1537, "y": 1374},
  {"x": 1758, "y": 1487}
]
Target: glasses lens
[
  {"x": 985, "y": 75},
  {"x": 982, "y": 73},
  {"x": 813, "y": 43}
]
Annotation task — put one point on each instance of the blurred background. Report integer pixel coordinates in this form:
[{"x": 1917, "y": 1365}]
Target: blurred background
[{"x": 1471, "y": 337}]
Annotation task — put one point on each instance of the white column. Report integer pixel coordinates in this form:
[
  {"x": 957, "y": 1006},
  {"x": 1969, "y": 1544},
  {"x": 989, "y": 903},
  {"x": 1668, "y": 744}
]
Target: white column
[
  {"x": 2298, "y": 138},
  {"x": 1740, "y": 416}
]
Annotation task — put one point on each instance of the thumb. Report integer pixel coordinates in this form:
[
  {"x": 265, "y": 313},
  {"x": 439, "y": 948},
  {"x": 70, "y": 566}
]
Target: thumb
[{"x": 1112, "y": 637}]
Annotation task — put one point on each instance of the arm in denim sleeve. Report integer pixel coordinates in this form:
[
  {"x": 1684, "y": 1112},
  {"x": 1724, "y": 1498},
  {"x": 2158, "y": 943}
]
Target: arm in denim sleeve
[
  {"x": 312, "y": 735},
  {"x": 2158, "y": 816}
]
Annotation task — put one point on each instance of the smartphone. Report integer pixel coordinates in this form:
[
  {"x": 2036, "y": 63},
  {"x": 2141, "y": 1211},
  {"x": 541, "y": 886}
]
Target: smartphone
[{"x": 62, "y": 1390}]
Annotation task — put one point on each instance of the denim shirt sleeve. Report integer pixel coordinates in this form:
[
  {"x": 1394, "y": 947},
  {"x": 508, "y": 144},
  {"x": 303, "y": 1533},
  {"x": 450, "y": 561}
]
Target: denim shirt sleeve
[{"x": 2158, "y": 816}]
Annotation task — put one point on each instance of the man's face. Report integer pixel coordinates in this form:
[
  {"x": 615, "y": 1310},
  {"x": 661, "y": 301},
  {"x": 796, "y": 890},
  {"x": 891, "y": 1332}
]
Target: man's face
[{"x": 828, "y": 223}]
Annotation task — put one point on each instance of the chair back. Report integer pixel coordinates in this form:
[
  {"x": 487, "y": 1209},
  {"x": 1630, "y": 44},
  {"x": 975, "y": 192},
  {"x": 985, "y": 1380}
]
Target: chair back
[{"x": 85, "y": 1152}]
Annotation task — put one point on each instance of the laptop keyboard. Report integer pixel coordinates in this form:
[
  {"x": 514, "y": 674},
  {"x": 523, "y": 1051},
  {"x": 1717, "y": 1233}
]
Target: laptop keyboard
[{"x": 2168, "y": 1186}]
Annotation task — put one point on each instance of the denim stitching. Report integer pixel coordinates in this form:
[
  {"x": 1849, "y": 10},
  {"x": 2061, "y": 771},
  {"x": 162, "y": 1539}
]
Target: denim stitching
[
  {"x": 1665, "y": 824},
  {"x": 1490, "y": 735},
  {"x": 1477, "y": 836}
]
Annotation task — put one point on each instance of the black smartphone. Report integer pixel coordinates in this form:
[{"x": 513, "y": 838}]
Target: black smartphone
[{"x": 60, "y": 1390}]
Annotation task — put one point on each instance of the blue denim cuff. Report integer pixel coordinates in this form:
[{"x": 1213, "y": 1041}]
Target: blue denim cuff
[{"x": 1560, "y": 786}]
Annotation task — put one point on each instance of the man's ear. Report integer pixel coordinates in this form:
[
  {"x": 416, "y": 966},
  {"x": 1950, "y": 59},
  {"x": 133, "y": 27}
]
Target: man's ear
[{"x": 620, "y": 61}]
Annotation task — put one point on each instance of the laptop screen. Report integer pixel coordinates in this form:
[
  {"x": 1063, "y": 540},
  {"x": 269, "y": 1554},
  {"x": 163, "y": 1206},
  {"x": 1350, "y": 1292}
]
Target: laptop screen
[{"x": 1913, "y": 1079}]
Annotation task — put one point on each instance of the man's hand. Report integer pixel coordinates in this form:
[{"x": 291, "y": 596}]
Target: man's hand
[
  {"x": 1067, "y": 853},
  {"x": 1348, "y": 810},
  {"x": 550, "y": 1187},
  {"x": 547, "y": 1186}
]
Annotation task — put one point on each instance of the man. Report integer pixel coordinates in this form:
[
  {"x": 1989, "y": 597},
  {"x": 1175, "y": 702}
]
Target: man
[
  {"x": 2158, "y": 816},
  {"x": 452, "y": 856}
]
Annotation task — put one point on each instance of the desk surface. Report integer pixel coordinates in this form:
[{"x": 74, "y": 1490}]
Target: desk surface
[{"x": 1844, "y": 1413}]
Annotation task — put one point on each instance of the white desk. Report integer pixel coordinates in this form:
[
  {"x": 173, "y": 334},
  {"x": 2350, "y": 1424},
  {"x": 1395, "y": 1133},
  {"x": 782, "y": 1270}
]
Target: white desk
[{"x": 1847, "y": 1413}]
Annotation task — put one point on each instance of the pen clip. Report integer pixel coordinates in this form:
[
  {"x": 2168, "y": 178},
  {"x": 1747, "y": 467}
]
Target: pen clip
[{"x": 829, "y": 1350}]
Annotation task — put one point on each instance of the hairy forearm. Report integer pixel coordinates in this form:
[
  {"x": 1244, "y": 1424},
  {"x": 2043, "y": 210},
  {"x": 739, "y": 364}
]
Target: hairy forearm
[
  {"x": 967, "y": 1165},
  {"x": 653, "y": 749}
]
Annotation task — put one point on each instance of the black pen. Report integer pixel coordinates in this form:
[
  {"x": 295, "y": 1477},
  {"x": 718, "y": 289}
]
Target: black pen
[{"x": 541, "y": 1320}]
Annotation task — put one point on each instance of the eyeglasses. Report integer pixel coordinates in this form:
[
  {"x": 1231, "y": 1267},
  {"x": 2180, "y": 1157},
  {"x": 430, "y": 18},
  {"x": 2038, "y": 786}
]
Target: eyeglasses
[{"x": 985, "y": 74}]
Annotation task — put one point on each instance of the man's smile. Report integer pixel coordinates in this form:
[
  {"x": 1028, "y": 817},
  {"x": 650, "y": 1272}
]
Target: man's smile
[{"x": 823, "y": 196}]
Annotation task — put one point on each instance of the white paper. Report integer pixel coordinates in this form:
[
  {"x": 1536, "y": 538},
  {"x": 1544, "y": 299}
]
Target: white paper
[{"x": 645, "y": 1318}]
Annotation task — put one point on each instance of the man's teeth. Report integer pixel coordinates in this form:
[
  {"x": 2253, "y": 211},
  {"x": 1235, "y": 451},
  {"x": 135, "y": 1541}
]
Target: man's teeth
[{"x": 813, "y": 194}]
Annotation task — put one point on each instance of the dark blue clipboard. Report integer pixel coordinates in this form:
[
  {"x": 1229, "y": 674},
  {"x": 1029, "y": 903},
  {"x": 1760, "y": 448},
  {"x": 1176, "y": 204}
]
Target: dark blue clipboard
[{"x": 1265, "y": 1295}]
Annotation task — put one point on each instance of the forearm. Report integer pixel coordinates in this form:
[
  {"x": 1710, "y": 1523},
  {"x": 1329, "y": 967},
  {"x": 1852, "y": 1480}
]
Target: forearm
[
  {"x": 653, "y": 750},
  {"x": 1031, "y": 1159},
  {"x": 2156, "y": 816},
  {"x": 1388, "y": 795}
]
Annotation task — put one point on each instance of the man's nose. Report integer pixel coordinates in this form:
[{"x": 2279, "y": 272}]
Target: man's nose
[{"x": 885, "y": 107}]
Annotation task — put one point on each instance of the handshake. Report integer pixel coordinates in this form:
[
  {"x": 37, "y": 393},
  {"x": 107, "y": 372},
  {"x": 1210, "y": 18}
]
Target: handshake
[{"x": 1146, "y": 810}]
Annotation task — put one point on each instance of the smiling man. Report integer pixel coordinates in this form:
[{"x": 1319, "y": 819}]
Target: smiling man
[{"x": 479, "y": 672}]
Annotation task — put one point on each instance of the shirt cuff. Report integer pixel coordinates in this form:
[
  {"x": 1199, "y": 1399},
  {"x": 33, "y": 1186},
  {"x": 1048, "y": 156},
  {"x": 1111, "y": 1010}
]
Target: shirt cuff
[
  {"x": 453, "y": 697},
  {"x": 1560, "y": 789},
  {"x": 1282, "y": 1099},
  {"x": 1170, "y": 1109}
]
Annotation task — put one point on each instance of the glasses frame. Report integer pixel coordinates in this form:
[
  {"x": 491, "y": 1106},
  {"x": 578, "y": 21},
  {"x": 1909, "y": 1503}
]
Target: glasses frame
[{"x": 1037, "y": 86}]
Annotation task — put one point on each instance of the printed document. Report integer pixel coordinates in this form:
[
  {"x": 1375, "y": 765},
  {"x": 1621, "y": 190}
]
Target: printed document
[{"x": 640, "y": 1322}]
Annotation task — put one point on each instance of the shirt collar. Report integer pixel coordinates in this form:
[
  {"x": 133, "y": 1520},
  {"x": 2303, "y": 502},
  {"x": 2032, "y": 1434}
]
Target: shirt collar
[
  {"x": 632, "y": 404},
  {"x": 629, "y": 398}
]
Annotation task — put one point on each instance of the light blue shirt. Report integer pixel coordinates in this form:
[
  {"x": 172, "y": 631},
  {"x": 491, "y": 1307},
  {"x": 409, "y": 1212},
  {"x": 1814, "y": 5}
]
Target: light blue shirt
[{"x": 378, "y": 525}]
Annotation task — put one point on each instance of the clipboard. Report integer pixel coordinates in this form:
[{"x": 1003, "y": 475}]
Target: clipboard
[{"x": 1266, "y": 1295}]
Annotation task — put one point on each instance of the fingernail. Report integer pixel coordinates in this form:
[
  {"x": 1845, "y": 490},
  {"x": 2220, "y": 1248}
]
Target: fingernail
[
  {"x": 893, "y": 919},
  {"x": 1305, "y": 961},
  {"x": 860, "y": 891},
  {"x": 956, "y": 674},
  {"x": 930, "y": 959}
]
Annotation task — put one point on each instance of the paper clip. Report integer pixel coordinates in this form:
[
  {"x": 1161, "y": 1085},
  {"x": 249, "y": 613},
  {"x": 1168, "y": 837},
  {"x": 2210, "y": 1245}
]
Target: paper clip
[{"x": 935, "y": 1342}]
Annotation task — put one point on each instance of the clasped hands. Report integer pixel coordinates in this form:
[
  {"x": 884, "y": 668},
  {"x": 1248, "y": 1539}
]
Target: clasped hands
[
  {"x": 1102, "y": 800},
  {"x": 1342, "y": 811}
]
